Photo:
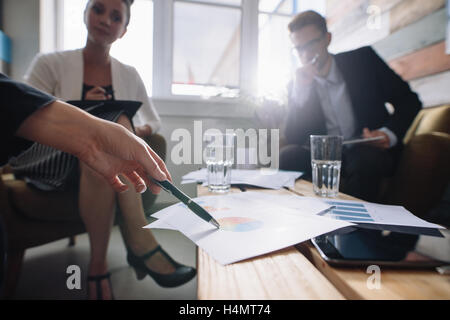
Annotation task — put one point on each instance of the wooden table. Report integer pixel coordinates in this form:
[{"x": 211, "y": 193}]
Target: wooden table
[{"x": 298, "y": 272}]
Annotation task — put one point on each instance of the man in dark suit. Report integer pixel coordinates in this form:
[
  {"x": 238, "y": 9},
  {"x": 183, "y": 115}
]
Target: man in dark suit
[{"x": 345, "y": 94}]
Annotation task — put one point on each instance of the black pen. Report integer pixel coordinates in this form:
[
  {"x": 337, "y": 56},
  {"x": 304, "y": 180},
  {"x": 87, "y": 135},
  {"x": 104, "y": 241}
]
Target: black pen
[{"x": 191, "y": 204}]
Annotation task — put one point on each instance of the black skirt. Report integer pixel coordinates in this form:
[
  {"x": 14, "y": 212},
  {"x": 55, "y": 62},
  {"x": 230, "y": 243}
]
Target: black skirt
[{"x": 49, "y": 169}]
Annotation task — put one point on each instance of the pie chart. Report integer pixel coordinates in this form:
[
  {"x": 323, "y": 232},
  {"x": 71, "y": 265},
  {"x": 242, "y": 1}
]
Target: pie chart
[{"x": 239, "y": 224}]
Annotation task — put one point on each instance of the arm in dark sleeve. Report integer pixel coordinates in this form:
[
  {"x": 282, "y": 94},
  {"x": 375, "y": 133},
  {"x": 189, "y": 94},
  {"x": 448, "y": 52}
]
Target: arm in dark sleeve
[
  {"x": 397, "y": 92},
  {"x": 18, "y": 101}
]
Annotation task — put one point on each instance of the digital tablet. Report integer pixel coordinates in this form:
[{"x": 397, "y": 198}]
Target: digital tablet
[
  {"x": 96, "y": 106},
  {"x": 362, "y": 140},
  {"x": 363, "y": 247}
]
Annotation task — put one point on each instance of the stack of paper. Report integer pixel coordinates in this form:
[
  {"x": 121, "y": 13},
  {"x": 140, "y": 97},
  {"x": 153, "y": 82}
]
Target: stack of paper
[
  {"x": 263, "y": 178},
  {"x": 378, "y": 216},
  {"x": 251, "y": 224}
]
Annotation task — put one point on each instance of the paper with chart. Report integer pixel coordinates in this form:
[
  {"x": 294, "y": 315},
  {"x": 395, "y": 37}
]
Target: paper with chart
[
  {"x": 298, "y": 204},
  {"x": 366, "y": 212},
  {"x": 264, "y": 178},
  {"x": 250, "y": 225}
]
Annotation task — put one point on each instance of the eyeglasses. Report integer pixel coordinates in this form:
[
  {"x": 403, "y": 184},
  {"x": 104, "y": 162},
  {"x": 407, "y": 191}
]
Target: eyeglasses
[{"x": 311, "y": 45}]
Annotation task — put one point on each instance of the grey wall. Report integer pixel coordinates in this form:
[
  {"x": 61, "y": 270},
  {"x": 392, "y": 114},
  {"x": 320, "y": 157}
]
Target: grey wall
[{"x": 20, "y": 20}]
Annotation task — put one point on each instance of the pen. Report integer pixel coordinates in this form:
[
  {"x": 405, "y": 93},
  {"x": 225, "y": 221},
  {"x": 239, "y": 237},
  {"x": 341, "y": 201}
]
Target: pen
[
  {"x": 326, "y": 211},
  {"x": 363, "y": 140},
  {"x": 180, "y": 195}
]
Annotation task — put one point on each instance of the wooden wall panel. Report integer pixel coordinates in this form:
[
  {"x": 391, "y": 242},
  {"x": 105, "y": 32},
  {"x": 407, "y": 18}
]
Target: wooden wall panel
[
  {"x": 348, "y": 24},
  {"x": 338, "y": 9},
  {"x": 385, "y": 5},
  {"x": 409, "y": 11},
  {"x": 362, "y": 36},
  {"x": 422, "y": 33},
  {"x": 427, "y": 61},
  {"x": 433, "y": 90},
  {"x": 351, "y": 19},
  {"x": 411, "y": 38}
]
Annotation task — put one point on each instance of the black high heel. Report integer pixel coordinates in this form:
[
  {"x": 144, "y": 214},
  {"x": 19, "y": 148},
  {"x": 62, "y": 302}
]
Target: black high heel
[
  {"x": 181, "y": 275},
  {"x": 98, "y": 284}
]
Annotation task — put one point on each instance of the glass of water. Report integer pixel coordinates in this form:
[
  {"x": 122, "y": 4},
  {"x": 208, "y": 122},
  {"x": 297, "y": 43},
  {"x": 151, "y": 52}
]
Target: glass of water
[
  {"x": 326, "y": 153},
  {"x": 219, "y": 158}
]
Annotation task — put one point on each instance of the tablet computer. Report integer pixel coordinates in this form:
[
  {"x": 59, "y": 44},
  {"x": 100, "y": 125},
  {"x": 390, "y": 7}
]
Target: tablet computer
[
  {"x": 95, "y": 107},
  {"x": 363, "y": 247}
]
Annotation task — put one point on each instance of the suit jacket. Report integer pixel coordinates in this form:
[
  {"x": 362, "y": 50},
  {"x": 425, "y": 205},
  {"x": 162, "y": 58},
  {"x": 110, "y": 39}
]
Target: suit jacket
[
  {"x": 370, "y": 84},
  {"x": 61, "y": 74},
  {"x": 17, "y": 102}
]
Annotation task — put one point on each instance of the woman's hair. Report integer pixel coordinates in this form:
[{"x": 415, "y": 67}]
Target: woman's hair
[{"x": 128, "y": 3}]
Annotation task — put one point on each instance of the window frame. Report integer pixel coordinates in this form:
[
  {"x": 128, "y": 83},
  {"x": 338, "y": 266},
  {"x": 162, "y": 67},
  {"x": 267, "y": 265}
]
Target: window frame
[
  {"x": 163, "y": 44},
  {"x": 164, "y": 38}
]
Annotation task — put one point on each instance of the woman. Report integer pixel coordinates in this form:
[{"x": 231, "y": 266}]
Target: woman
[
  {"x": 92, "y": 74},
  {"x": 112, "y": 150}
]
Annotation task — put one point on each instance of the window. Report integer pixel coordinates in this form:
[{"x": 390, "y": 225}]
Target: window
[
  {"x": 202, "y": 48},
  {"x": 206, "y": 49},
  {"x": 226, "y": 2},
  {"x": 276, "y": 61},
  {"x": 287, "y": 7},
  {"x": 135, "y": 48}
]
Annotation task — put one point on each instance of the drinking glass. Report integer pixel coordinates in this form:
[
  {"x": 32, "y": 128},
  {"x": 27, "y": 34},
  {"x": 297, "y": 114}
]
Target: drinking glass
[
  {"x": 326, "y": 155},
  {"x": 219, "y": 157}
]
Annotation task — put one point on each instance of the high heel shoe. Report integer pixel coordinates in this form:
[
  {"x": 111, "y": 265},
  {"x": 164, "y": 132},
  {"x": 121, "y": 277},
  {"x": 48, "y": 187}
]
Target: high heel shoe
[
  {"x": 98, "y": 284},
  {"x": 181, "y": 275}
]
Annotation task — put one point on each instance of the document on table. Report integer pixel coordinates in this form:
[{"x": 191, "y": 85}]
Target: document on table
[
  {"x": 264, "y": 178},
  {"x": 373, "y": 213},
  {"x": 250, "y": 224},
  {"x": 301, "y": 205}
]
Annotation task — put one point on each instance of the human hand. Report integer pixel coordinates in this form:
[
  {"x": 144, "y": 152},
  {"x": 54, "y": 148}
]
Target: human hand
[
  {"x": 106, "y": 147},
  {"x": 305, "y": 75},
  {"x": 119, "y": 152},
  {"x": 97, "y": 93},
  {"x": 383, "y": 143},
  {"x": 143, "y": 131}
]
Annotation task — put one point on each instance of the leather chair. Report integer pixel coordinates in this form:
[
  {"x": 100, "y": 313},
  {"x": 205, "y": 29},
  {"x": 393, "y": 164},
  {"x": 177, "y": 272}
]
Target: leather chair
[
  {"x": 32, "y": 218},
  {"x": 423, "y": 173}
]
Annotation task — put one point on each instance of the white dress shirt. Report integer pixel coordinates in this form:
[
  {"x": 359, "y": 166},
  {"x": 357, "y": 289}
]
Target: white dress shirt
[{"x": 336, "y": 104}]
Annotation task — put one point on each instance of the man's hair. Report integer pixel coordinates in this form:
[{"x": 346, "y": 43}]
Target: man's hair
[{"x": 307, "y": 18}]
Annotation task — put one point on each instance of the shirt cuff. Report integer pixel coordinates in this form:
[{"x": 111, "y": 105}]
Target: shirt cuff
[{"x": 392, "y": 137}]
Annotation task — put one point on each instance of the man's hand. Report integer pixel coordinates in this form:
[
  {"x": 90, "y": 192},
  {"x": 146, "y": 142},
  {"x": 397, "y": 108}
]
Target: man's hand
[
  {"x": 383, "y": 144},
  {"x": 305, "y": 75}
]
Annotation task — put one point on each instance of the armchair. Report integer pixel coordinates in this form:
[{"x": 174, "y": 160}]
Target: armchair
[
  {"x": 32, "y": 218},
  {"x": 423, "y": 173}
]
